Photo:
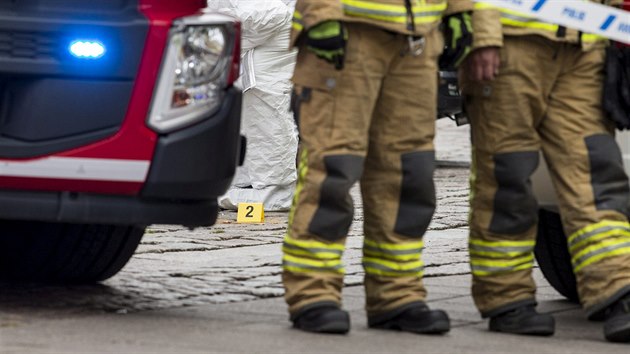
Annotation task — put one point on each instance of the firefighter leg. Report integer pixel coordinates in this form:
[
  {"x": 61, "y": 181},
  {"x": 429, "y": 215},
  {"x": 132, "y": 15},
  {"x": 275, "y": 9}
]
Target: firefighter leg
[
  {"x": 504, "y": 114},
  {"x": 335, "y": 111},
  {"x": 588, "y": 174},
  {"x": 397, "y": 187}
]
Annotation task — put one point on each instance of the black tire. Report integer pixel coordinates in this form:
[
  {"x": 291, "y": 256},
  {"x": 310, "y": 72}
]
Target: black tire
[
  {"x": 64, "y": 253},
  {"x": 552, "y": 254}
]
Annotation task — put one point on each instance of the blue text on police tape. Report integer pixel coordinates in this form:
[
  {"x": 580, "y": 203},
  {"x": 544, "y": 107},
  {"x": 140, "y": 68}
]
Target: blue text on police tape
[{"x": 574, "y": 13}]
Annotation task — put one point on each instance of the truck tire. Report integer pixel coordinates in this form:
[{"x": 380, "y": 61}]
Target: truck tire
[
  {"x": 552, "y": 254},
  {"x": 63, "y": 252}
]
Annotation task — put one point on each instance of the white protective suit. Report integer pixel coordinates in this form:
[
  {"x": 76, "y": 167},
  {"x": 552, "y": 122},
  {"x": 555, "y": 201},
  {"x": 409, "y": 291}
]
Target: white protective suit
[{"x": 269, "y": 172}]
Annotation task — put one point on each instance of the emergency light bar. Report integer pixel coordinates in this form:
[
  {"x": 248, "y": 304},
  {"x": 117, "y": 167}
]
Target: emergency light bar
[{"x": 85, "y": 49}]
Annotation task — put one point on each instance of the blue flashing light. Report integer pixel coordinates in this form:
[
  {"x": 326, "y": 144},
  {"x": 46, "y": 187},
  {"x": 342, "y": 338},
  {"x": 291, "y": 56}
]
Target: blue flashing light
[{"x": 86, "y": 49}]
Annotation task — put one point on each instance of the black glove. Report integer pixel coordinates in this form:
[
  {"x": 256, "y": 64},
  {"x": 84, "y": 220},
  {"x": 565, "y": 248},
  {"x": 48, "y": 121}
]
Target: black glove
[
  {"x": 458, "y": 39},
  {"x": 328, "y": 41}
]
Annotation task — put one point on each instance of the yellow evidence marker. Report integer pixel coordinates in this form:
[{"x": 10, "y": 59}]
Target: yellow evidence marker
[{"x": 250, "y": 212}]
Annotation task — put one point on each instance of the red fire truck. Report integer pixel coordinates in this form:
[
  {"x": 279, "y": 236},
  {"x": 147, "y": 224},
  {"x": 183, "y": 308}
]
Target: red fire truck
[{"x": 114, "y": 114}]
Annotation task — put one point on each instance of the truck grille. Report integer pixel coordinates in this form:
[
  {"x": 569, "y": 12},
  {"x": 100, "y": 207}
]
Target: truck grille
[{"x": 29, "y": 45}]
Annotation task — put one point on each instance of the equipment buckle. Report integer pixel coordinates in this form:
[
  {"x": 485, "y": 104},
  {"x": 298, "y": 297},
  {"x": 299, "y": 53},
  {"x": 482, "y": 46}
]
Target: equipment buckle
[{"x": 416, "y": 45}]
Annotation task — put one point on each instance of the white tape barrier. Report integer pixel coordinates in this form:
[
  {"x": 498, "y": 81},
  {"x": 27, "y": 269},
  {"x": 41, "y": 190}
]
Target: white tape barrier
[{"x": 585, "y": 16}]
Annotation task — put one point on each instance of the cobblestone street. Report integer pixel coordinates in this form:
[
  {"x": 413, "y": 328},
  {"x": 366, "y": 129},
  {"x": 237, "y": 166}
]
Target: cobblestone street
[
  {"x": 176, "y": 267},
  {"x": 218, "y": 289},
  {"x": 229, "y": 262}
]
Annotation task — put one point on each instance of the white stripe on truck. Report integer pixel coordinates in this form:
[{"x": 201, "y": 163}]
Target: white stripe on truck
[{"x": 77, "y": 168}]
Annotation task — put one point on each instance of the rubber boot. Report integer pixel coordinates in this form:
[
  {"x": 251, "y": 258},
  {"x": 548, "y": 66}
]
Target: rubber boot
[
  {"x": 523, "y": 320},
  {"x": 325, "y": 318},
  {"x": 416, "y": 318},
  {"x": 617, "y": 325}
]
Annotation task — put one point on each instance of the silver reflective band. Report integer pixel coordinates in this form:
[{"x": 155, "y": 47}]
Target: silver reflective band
[
  {"x": 313, "y": 250},
  {"x": 312, "y": 267},
  {"x": 368, "y": 264}
]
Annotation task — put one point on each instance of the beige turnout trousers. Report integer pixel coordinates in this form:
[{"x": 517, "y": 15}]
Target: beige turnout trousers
[
  {"x": 371, "y": 122},
  {"x": 546, "y": 98}
]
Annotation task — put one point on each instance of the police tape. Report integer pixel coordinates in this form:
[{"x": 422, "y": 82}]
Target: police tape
[{"x": 584, "y": 16}]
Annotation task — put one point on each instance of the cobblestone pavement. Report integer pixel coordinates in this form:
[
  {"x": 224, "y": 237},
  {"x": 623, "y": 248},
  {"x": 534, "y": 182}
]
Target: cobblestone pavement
[
  {"x": 228, "y": 262},
  {"x": 452, "y": 144}
]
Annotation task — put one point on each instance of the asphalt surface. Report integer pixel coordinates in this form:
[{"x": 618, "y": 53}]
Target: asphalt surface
[{"x": 218, "y": 290}]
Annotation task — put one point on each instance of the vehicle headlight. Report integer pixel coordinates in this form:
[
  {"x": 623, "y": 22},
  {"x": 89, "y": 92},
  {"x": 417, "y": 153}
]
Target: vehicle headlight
[{"x": 196, "y": 68}]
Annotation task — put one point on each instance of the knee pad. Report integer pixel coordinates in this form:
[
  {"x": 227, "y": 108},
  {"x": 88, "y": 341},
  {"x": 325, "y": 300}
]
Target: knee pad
[
  {"x": 515, "y": 209},
  {"x": 417, "y": 195},
  {"x": 335, "y": 210},
  {"x": 608, "y": 177}
]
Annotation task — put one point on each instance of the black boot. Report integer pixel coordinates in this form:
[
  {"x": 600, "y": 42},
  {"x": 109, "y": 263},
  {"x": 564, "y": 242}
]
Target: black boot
[
  {"x": 416, "y": 318},
  {"x": 326, "y": 318},
  {"x": 523, "y": 320},
  {"x": 617, "y": 325}
]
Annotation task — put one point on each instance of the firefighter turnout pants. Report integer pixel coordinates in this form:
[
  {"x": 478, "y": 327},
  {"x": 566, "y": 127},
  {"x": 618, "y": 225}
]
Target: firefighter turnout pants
[
  {"x": 373, "y": 122},
  {"x": 547, "y": 97}
]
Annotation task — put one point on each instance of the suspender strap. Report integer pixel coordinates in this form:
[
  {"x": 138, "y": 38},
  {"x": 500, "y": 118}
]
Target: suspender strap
[
  {"x": 411, "y": 22},
  {"x": 562, "y": 32}
]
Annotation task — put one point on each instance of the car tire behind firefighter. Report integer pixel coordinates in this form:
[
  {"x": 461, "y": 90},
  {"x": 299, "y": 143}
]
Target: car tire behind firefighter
[
  {"x": 552, "y": 254},
  {"x": 63, "y": 252}
]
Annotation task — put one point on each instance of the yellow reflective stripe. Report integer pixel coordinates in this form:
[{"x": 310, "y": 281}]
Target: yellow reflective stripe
[
  {"x": 384, "y": 273},
  {"x": 532, "y": 24},
  {"x": 490, "y": 257},
  {"x": 312, "y": 249},
  {"x": 290, "y": 262},
  {"x": 382, "y": 267},
  {"x": 393, "y": 257},
  {"x": 312, "y": 262},
  {"x": 400, "y": 9},
  {"x": 312, "y": 244},
  {"x": 481, "y": 273},
  {"x": 484, "y": 6},
  {"x": 395, "y": 246},
  {"x": 500, "y": 249},
  {"x": 590, "y": 38},
  {"x": 317, "y": 255},
  {"x": 297, "y": 24},
  {"x": 611, "y": 234},
  {"x": 493, "y": 244},
  {"x": 503, "y": 263},
  {"x": 591, "y": 260},
  {"x": 408, "y": 251},
  {"x": 395, "y": 266},
  {"x": 601, "y": 248},
  {"x": 518, "y": 19},
  {"x": 593, "y": 227},
  {"x": 497, "y": 254},
  {"x": 295, "y": 269},
  {"x": 425, "y": 13},
  {"x": 393, "y": 19},
  {"x": 302, "y": 172}
]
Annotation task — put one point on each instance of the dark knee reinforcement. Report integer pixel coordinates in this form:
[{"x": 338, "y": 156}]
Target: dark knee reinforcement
[
  {"x": 515, "y": 208},
  {"x": 335, "y": 211},
  {"x": 608, "y": 179},
  {"x": 417, "y": 195}
]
